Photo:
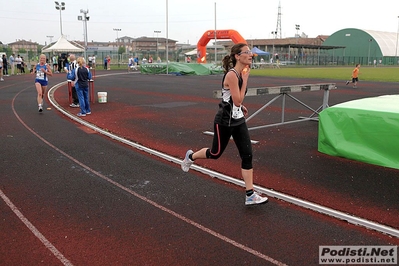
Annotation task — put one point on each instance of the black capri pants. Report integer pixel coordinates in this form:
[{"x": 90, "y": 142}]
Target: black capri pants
[{"x": 241, "y": 138}]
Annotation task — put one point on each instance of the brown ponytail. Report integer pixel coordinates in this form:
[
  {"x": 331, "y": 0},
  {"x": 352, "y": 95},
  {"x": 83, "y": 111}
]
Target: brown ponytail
[{"x": 229, "y": 61}]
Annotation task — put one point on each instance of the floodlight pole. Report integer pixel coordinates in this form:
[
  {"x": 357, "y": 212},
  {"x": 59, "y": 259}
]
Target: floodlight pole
[
  {"x": 215, "y": 38},
  {"x": 85, "y": 19},
  {"x": 117, "y": 43},
  {"x": 50, "y": 37},
  {"x": 60, "y": 7},
  {"x": 157, "y": 32},
  {"x": 297, "y": 27},
  {"x": 274, "y": 33},
  {"x": 368, "y": 57}
]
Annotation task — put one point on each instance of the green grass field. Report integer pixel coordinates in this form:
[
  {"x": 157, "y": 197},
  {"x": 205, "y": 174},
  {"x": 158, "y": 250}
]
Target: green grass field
[{"x": 382, "y": 74}]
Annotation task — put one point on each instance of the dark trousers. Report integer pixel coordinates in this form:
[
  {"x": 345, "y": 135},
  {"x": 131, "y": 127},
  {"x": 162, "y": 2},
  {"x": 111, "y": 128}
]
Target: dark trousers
[
  {"x": 75, "y": 98},
  {"x": 83, "y": 94}
]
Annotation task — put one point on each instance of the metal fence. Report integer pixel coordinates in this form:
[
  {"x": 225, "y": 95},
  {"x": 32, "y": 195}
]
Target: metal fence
[{"x": 178, "y": 56}]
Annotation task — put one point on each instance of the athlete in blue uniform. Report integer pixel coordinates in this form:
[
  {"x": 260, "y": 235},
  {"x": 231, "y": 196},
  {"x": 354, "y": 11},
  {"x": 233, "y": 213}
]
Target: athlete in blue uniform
[{"x": 42, "y": 71}]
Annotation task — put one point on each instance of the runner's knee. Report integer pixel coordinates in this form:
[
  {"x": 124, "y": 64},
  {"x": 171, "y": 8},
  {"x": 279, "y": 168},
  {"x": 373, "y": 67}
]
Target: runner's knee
[
  {"x": 210, "y": 155},
  {"x": 246, "y": 161}
]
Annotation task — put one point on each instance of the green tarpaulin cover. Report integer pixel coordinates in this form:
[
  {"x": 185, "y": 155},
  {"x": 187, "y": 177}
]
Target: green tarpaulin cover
[
  {"x": 365, "y": 130},
  {"x": 181, "y": 69}
]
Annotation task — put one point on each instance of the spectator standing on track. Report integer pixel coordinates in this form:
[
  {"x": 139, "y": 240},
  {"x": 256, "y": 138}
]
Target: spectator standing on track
[
  {"x": 230, "y": 121},
  {"x": 42, "y": 71},
  {"x": 105, "y": 63},
  {"x": 1, "y": 68},
  {"x": 18, "y": 61},
  {"x": 23, "y": 64},
  {"x": 55, "y": 64},
  {"x": 5, "y": 66},
  {"x": 12, "y": 63},
  {"x": 70, "y": 67},
  {"x": 90, "y": 61},
  {"x": 130, "y": 63},
  {"x": 82, "y": 75},
  {"x": 108, "y": 63},
  {"x": 94, "y": 61},
  {"x": 355, "y": 76},
  {"x": 136, "y": 61},
  {"x": 59, "y": 63}
]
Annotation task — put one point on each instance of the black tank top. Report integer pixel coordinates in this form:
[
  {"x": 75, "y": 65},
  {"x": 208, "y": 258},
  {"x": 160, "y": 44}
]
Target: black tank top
[{"x": 223, "y": 116}]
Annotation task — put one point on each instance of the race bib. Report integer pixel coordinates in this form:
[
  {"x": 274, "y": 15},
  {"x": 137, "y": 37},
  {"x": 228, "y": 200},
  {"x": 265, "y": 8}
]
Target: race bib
[
  {"x": 237, "y": 112},
  {"x": 40, "y": 74}
]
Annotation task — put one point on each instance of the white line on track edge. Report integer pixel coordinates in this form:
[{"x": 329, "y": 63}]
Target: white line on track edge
[
  {"x": 278, "y": 195},
  {"x": 54, "y": 250},
  {"x": 35, "y": 231}
]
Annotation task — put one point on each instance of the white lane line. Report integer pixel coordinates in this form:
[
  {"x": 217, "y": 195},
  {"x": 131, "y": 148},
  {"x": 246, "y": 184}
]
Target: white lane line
[
  {"x": 272, "y": 193},
  {"x": 23, "y": 219},
  {"x": 154, "y": 204},
  {"x": 35, "y": 231}
]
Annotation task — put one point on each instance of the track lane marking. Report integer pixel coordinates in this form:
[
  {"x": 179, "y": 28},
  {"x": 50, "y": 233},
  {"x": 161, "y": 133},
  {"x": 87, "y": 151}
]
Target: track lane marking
[
  {"x": 153, "y": 203},
  {"x": 358, "y": 221},
  {"x": 35, "y": 231}
]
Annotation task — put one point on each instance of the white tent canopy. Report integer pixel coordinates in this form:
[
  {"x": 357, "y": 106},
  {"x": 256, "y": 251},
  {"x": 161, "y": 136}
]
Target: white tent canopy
[
  {"x": 63, "y": 45},
  {"x": 192, "y": 52}
]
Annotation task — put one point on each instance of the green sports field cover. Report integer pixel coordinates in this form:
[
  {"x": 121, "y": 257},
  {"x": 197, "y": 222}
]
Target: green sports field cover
[{"x": 365, "y": 130}]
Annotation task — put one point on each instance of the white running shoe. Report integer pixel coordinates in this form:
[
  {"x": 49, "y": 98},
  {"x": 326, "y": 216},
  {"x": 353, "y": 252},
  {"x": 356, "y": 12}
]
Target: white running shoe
[
  {"x": 255, "y": 199},
  {"x": 187, "y": 162},
  {"x": 40, "y": 108}
]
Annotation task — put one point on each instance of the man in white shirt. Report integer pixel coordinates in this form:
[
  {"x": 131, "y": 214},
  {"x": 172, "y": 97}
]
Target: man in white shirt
[
  {"x": 70, "y": 66},
  {"x": 18, "y": 61},
  {"x": 55, "y": 64},
  {"x": 90, "y": 59}
]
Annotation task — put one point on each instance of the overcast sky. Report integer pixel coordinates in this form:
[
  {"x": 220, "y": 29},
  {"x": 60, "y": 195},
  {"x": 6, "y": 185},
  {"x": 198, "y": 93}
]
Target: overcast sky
[{"x": 189, "y": 19}]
